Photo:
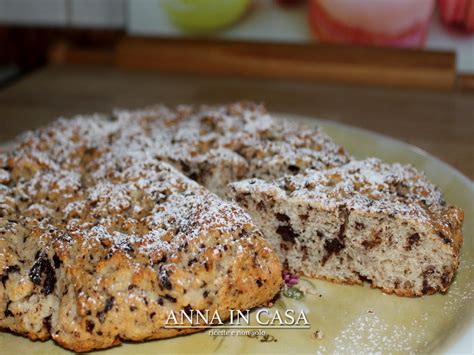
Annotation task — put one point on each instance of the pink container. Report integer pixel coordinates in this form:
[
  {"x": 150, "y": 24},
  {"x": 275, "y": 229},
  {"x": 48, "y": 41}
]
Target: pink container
[
  {"x": 458, "y": 14},
  {"x": 400, "y": 23}
]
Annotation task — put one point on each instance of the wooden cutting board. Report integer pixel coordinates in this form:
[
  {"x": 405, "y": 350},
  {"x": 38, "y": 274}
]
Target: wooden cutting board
[{"x": 359, "y": 65}]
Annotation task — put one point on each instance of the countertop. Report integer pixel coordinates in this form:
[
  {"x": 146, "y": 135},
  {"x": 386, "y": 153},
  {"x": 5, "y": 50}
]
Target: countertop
[{"x": 442, "y": 123}]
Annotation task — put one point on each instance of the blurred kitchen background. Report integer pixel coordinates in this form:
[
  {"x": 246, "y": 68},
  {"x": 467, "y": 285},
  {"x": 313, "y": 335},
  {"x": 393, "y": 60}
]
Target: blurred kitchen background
[{"x": 36, "y": 32}]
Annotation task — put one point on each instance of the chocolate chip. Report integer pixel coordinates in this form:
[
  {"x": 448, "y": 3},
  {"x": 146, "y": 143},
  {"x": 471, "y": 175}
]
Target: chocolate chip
[
  {"x": 188, "y": 309},
  {"x": 335, "y": 245},
  {"x": 445, "y": 279},
  {"x": 293, "y": 168},
  {"x": 163, "y": 259},
  {"x": 374, "y": 241},
  {"x": 261, "y": 206},
  {"x": 445, "y": 239},
  {"x": 12, "y": 269},
  {"x": 310, "y": 185},
  {"x": 304, "y": 217},
  {"x": 282, "y": 217},
  {"x": 259, "y": 282},
  {"x": 109, "y": 303},
  {"x": 205, "y": 293},
  {"x": 287, "y": 233},
  {"x": 170, "y": 298},
  {"x": 413, "y": 239},
  {"x": 192, "y": 261},
  {"x": 332, "y": 246},
  {"x": 7, "y": 312},
  {"x": 89, "y": 326},
  {"x": 56, "y": 261},
  {"x": 42, "y": 273},
  {"x": 427, "y": 288},
  {"x": 426, "y": 275},
  {"x": 345, "y": 216}
]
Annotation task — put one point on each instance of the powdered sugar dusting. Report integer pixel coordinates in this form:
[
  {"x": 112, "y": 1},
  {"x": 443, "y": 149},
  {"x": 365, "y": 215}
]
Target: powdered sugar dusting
[
  {"x": 242, "y": 138},
  {"x": 366, "y": 185},
  {"x": 368, "y": 334},
  {"x": 457, "y": 296},
  {"x": 103, "y": 181}
]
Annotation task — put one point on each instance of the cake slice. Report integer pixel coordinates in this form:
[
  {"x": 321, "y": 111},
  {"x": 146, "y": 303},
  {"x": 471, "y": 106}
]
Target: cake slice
[
  {"x": 100, "y": 241},
  {"x": 364, "y": 221}
]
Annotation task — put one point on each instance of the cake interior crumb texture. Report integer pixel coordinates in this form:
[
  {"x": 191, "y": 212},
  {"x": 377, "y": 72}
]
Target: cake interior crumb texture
[{"x": 364, "y": 221}]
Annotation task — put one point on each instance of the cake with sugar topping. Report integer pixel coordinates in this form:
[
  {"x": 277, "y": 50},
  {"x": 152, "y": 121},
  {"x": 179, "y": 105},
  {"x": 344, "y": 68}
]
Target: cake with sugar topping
[
  {"x": 109, "y": 222},
  {"x": 219, "y": 145},
  {"x": 100, "y": 240},
  {"x": 363, "y": 221}
]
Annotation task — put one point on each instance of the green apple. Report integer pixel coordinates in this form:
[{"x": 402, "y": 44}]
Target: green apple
[{"x": 204, "y": 15}]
